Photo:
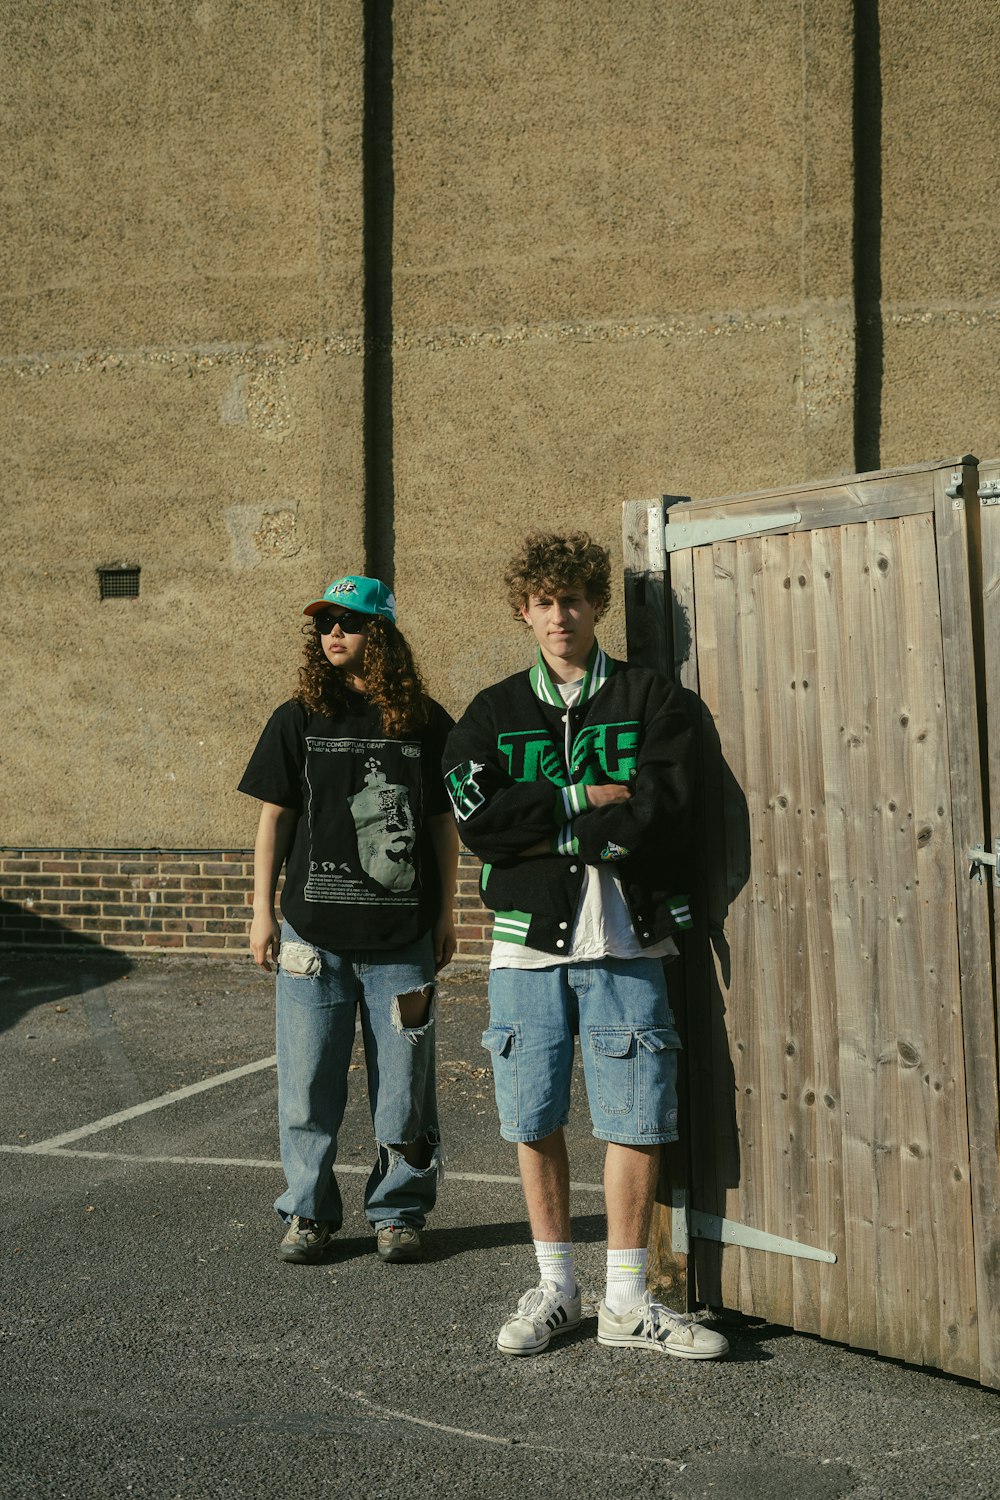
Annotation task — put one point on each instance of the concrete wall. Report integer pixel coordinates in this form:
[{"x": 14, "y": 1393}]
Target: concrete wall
[
  {"x": 278, "y": 302},
  {"x": 940, "y": 181},
  {"x": 623, "y": 267},
  {"x": 182, "y": 185}
]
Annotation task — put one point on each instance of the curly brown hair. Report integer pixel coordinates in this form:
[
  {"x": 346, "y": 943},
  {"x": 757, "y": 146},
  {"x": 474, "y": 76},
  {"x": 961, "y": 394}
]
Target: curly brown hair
[
  {"x": 393, "y": 683},
  {"x": 550, "y": 561}
]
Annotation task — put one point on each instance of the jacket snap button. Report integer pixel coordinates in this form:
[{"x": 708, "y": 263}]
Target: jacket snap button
[
  {"x": 560, "y": 943},
  {"x": 565, "y": 717},
  {"x": 562, "y": 926},
  {"x": 645, "y": 934},
  {"x": 573, "y": 869}
]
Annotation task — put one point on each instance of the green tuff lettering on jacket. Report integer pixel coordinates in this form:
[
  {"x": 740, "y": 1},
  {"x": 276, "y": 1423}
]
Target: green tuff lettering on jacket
[
  {"x": 530, "y": 755},
  {"x": 607, "y": 750},
  {"x": 601, "y": 752}
]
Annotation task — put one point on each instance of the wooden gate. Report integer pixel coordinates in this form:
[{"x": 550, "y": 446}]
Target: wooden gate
[{"x": 839, "y": 1171}]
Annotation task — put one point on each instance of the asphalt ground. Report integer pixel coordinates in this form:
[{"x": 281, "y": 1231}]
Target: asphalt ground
[{"x": 154, "y": 1346}]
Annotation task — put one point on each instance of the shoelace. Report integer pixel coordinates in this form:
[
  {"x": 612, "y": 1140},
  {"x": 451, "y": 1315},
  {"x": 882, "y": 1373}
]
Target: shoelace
[
  {"x": 534, "y": 1301},
  {"x": 661, "y": 1322}
]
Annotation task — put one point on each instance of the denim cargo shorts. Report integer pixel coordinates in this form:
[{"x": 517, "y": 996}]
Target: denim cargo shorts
[{"x": 620, "y": 1011}]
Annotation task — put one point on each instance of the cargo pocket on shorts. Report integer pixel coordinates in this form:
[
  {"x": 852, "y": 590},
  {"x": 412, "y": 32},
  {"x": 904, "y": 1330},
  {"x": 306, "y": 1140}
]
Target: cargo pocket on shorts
[
  {"x": 501, "y": 1043},
  {"x": 657, "y": 1057},
  {"x": 614, "y": 1066}
]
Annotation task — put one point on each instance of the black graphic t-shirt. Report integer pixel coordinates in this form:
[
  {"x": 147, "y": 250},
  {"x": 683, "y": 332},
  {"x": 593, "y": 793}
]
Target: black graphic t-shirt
[{"x": 360, "y": 871}]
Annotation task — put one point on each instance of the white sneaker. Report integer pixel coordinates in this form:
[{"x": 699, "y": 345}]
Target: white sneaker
[
  {"x": 650, "y": 1325},
  {"x": 542, "y": 1314}
]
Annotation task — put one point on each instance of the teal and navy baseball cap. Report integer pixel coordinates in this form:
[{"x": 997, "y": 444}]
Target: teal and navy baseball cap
[{"x": 368, "y": 596}]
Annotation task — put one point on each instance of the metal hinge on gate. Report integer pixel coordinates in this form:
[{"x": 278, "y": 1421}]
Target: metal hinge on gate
[
  {"x": 979, "y": 859},
  {"x": 680, "y": 535},
  {"x": 989, "y": 493},
  {"x": 691, "y": 1224}
]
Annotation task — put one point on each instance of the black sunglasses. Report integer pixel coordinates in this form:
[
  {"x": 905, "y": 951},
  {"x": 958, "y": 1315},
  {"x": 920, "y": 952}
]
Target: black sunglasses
[{"x": 350, "y": 622}]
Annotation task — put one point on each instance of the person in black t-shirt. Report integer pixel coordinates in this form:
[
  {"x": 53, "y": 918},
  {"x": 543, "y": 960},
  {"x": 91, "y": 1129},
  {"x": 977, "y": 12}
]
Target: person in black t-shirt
[{"x": 355, "y": 808}]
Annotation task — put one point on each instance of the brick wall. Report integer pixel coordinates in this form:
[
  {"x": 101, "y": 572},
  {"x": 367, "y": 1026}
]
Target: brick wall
[
  {"x": 159, "y": 900},
  {"x": 473, "y": 923}
]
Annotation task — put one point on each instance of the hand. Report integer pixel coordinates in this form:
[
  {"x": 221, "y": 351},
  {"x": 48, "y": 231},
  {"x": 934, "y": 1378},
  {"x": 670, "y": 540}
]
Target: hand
[
  {"x": 608, "y": 795},
  {"x": 265, "y": 939},
  {"x": 445, "y": 942}
]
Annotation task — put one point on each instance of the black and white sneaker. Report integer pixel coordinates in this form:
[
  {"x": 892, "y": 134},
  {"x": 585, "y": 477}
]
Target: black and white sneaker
[
  {"x": 650, "y": 1325},
  {"x": 542, "y": 1314}
]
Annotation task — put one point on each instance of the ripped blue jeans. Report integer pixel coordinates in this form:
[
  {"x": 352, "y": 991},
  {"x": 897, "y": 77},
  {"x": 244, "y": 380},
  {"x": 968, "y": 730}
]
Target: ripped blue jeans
[{"x": 318, "y": 996}]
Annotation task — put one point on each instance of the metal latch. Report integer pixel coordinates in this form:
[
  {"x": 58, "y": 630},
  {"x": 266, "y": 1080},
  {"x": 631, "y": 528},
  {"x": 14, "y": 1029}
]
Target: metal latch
[
  {"x": 989, "y": 493},
  {"x": 680, "y": 535},
  {"x": 691, "y": 1223},
  {"x": 978, "y": 859}
]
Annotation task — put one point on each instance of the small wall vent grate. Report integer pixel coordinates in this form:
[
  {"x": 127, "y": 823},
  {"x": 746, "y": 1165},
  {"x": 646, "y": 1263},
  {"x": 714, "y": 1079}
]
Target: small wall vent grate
[{"x": 119, "y": 582}]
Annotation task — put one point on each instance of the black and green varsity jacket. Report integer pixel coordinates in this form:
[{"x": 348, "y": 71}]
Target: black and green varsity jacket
[{"x": 517, "y": 765}]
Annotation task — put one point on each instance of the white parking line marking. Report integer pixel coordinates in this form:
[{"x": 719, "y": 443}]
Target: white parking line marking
[
  {"x": 161, "y": 1102},
  {"x": 43, "y": 1149}
]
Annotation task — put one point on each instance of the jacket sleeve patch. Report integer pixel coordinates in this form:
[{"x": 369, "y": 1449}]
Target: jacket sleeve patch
[
  {"x": 463, "y": 789},
  {"x": 612, "y": 850}
]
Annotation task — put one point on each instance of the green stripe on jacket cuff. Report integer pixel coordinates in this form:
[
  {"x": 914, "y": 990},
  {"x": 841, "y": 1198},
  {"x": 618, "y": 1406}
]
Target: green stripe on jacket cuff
[
  {"x": 574, "y": 800},
  {"x": 563, "y": 842}
]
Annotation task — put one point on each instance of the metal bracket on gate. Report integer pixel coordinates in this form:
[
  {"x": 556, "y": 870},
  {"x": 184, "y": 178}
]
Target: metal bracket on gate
[
  {"x": 979, "y": 859},
  {"x": 683, "y": 534},
  {"x": 691, "y": 1224},
  {"x": 989, "y": 493}
]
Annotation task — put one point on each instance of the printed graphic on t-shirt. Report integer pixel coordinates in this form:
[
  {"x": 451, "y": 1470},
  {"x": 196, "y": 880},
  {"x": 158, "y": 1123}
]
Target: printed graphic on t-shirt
[
  {"x": 386, "y": 830},
  {"x": 382, "y": 811}
]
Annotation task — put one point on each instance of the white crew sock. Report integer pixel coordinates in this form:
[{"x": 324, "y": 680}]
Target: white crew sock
[
  {"x": 626, "y": 1279},
  {"x": 555, "y": 1263}
]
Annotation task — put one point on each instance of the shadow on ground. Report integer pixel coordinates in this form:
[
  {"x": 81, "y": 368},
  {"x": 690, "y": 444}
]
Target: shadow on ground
[{"x": 30, "y": 977}]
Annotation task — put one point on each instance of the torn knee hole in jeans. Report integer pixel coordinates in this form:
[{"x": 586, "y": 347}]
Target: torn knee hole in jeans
[
  {"x": 394, "y": 1155},
  {"x": 299, "y": 958},
  {"x": 411, "y": 1012}
]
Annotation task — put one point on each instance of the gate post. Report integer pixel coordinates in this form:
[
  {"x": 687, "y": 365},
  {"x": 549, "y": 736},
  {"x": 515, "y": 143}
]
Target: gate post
[{"x": 649, "y": 641}]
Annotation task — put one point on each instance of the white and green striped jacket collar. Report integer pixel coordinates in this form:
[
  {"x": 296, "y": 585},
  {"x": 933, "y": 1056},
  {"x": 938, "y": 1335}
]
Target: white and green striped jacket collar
[{"x": 599, "y": 669}]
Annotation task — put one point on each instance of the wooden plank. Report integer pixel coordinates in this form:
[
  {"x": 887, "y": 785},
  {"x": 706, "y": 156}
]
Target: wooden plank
[
  {"x": 703, "y": 1082},
  {"x": 913, "y": 482},
  {"x": 689, "y": 979},
  {"x": 846, "y": 674},
  {"x": 683, "y": 618},
  {"x": 730, "y": 906},
  {"x": 751, "y": 964},
  {"x": 715, "y": 1145},
  {"x": 834, "y": 881},
  {"x": 779, "y": 935},
  {"x": 820, "y": 1290},
  {"x": 814, "y": 511},
  {"x": 900, "y": 1278},
  {"x": 985, "y": 1193},
  {"x": 989, "y": 574},
  {"x": 936, "y": 1146},
  {"x": 806, "y": 791},
  {"x": 977, "y": 991}
]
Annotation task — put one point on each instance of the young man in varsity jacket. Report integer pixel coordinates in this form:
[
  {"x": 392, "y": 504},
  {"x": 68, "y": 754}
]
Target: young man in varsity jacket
[{"x": 572, "y": 782}]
